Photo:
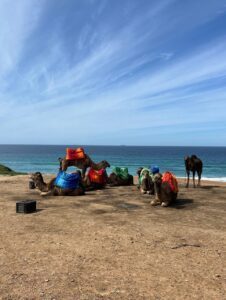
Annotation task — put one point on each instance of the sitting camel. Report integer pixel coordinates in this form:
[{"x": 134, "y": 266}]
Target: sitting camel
[
  {"x": 95, "y": 180},
  {"x": 120, "y": 177},
  {"x": 167, "y": 190},
  {"x": 145, "y": 183},
  {"x": 164, "y": 187},
  {"x": 50, "y": 188},
  {"x": 115, "y": 180},
  {"x": 82, "y": 164},
  {"x": 149, "y": 181},
  {"x": 193, "y": 164}
]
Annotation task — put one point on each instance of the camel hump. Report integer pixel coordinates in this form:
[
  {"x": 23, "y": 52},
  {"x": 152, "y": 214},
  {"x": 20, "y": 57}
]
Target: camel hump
[{"x": 196, "y": 160}]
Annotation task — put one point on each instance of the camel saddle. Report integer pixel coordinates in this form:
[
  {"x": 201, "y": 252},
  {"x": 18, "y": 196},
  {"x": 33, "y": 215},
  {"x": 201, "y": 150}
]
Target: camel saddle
[
  {"x": 74, "y": 154},
  {"x": 97, "y": 176},
  {"x": 121, "y": 172},
  {"x": 67, "y": 181},
  {"x": 171, "y": 179}
]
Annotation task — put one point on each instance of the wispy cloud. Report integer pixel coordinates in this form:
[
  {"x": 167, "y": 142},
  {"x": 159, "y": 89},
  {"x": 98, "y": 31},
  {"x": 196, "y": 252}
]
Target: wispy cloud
[
  {"x": 117, "y": 74},
  {"x": 18, "y": 20}
]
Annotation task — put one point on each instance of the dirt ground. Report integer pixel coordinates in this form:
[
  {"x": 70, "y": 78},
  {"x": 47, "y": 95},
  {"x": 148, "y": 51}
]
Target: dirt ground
[{"x": 111, "y": 244}]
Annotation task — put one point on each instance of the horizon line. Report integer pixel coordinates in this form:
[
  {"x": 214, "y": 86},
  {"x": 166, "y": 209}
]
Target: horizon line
[{"x": 101, "y": 145}]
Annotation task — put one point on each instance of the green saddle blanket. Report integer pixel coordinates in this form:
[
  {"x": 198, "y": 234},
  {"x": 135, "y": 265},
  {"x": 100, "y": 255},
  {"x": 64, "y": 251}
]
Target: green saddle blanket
[{"x": 121, "y": 172}]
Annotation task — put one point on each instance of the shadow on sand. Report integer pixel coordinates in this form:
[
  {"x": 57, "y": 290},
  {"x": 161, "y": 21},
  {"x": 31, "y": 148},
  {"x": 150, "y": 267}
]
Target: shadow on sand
[{"x": 182, "y": 203}]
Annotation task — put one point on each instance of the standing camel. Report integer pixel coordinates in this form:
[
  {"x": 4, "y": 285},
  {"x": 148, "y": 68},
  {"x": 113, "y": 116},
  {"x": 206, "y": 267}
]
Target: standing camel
[
  {"x": 82, "y": 164},
  {"x": 193, "y": 164}
]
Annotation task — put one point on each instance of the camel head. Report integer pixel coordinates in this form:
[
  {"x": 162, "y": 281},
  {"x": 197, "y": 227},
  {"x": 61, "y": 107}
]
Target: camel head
[
  {"x": 186, "y": 158},
  {"x": 187, "y": 162},
  {"x": 144, "y": 172},
  {"x": 105, "y": 164},
  {"x": 37, "y": 178},
  {"x": 139, "y": 171}
]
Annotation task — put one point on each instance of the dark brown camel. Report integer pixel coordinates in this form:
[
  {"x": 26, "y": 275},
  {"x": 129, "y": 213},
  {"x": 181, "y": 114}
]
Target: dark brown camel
[
  {"x": 82, "y": 164},
  {"x": 193, "y": 164},
  {"x": 49, "y": 188}
]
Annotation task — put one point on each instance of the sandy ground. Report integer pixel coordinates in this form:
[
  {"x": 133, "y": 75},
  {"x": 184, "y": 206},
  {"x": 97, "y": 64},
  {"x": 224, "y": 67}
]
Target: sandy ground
[{"x": 111, "y": 244}]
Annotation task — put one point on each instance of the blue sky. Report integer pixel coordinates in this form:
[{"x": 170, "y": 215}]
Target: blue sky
[{"x": 112, "y": 72}]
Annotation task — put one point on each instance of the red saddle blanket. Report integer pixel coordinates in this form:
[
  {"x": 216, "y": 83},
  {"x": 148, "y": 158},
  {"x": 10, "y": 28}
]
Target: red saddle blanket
[
  {"x": 171, "y": 179},
  {"x": 97, "y": 176},
  {"x": 78, "y": 153}
]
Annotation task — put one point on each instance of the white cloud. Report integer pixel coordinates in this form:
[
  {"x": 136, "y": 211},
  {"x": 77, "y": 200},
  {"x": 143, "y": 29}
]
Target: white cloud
[
  {"x": 17, "y": 21},
  {"x": 130, "y": 81}
]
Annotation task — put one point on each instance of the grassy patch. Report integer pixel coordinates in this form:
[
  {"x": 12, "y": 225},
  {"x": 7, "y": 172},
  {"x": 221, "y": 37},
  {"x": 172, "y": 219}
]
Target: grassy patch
[{"x": 7, "y": 171}]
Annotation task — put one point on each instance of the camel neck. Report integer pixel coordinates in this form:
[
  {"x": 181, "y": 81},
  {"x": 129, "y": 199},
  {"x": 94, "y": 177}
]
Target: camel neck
[{"x": 42, "y": 186}]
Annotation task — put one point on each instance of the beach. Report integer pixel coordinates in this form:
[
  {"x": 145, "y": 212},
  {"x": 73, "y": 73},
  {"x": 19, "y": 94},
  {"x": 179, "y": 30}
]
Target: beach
[{"x": 111, "y": 244}]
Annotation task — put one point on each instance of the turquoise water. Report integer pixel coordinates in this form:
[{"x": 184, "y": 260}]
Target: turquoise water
[{"x": 43, "y": 158}]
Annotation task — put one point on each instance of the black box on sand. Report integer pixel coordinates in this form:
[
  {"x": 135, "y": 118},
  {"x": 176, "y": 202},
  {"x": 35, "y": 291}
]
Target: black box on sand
[{"x": 26, "y": 207}]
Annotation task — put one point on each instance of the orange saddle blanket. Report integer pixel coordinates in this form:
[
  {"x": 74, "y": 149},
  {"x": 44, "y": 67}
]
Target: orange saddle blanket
[
  {"x": 78, "y": 153},
  {"x": 171, "y": 179},
  {"x": 97, "y": 176}
]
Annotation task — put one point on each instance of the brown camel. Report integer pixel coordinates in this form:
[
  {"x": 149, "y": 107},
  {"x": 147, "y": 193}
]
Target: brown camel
[
  {"x": 153, "y": 184},
  {"x": 90, "y": 184},
  {"x": 166, "y": 191},
  {"x": 145, "y": 182},
  {"x": 82, "y": 164},
  {"x": 166, "y": 196},
  {"x": 49, "y": 188},
  {"x": 193, "y": 164}
]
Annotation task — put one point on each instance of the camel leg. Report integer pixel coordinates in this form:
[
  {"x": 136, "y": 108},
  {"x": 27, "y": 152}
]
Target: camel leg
[
  {"x": 144, "y": 186},
  {"x": 64, "y": 165},
  {"x": 188, "y": 177},
  {"x": 199, "y": 180},
  {"x": 157, "y": 192},
  {"x": 150, "y": 186},
  {"x": 193, "y": 176},
  {"x": 45, "y": 193}
]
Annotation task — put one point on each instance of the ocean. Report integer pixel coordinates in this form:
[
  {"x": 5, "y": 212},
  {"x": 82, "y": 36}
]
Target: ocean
[{"x": 44, "y": 158}]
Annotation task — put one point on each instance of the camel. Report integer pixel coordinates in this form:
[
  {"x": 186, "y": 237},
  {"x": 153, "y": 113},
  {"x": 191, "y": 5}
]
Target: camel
[
  {"x": 82, "y": 164},
  {"x": 146, "y": 185},
  {"x": 50, "y": 188},
  {"x": 91, "y": 184},
  {"x": 153, "y": 182},
  {"x": 149, "y": 181},
  {"x": 193, "y": 164},
  {"x": 165, "y": 197},
  {"x": 167, "y": 190},
  {"x": 115, "y": 180},
  {"x": 120, "y": 177}
]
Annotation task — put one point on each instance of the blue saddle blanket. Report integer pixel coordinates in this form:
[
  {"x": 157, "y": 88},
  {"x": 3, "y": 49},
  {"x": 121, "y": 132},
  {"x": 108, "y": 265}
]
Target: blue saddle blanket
[{"x": 67, "y": 181}]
